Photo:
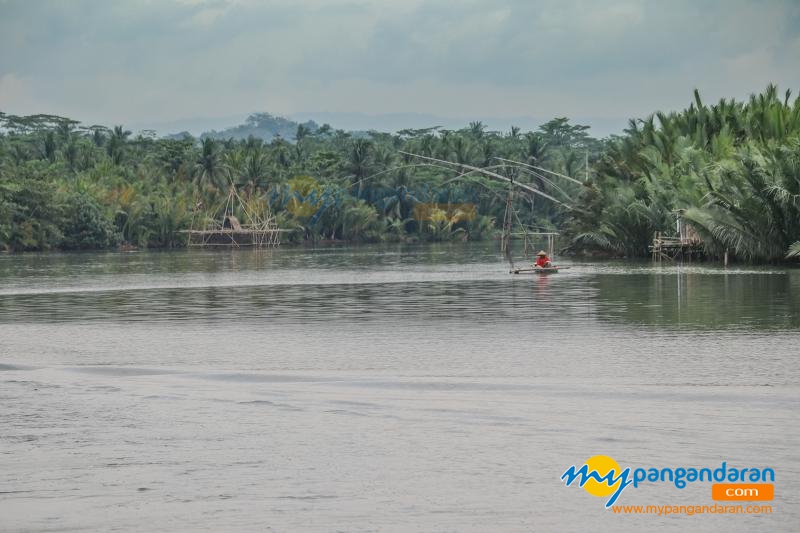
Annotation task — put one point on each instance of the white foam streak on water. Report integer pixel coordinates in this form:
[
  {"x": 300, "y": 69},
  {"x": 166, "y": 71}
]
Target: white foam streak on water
[
  {"x": 311, "y": 276},
  {"x": 383, "y": 392}
]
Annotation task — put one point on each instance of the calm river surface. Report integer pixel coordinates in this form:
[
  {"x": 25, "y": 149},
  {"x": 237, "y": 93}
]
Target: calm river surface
[{"x": 390, "y": 388}]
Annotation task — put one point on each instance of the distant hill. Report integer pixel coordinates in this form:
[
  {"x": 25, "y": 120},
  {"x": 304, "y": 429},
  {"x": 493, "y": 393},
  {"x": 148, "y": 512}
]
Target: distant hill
[
  {"x": 262, "y": 126},
  {"x": 267, "y": 126}
]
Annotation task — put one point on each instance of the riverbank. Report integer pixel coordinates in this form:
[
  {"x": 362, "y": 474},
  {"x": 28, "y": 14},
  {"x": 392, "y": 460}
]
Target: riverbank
[{"x": 726, "y": 170}]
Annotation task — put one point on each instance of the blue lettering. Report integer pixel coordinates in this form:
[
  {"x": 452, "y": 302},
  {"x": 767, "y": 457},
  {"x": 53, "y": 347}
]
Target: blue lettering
[
  {"x": 719, "y": 473},
  {"x": 680, "y": 473},
  {"x": 572, "y": 474},
  {"x": 636, "y": 478}
]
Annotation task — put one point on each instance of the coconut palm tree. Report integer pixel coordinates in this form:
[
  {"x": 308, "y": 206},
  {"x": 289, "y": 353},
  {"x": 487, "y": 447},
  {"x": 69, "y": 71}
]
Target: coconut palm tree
[
  {"x": 208, "y": 167},
  {"x": 117, "y": 142},
  {"x": 255, "y": 172},
  {"x": 359, "y": 162}
]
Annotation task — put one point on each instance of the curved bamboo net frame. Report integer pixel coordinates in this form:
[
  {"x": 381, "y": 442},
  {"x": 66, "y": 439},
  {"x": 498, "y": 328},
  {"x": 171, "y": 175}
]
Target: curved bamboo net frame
[{"x": 222, "y": 228}]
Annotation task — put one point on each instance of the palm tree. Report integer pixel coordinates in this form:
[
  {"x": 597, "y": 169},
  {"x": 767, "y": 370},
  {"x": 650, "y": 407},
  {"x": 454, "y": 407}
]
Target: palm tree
[
  {"x": 208, "y": 168},
  {"x": 535, "y": 149},
  {"x": 731, "y": 169},
  {"x": 234, "y": 165},
  {"x": 359, "y": 162},
  {"x": 463, "y": 150},
  {"x": 117, "y": 143},
  {"x": 477, "y": 129},
  {"x": 98, "y": 134},
  {"x": 359, "y": 222},
  {"x": 255, "y": 171}
]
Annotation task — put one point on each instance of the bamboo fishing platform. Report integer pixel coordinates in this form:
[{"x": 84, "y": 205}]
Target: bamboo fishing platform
[
  {"x": 673, "y": 248},
  {"x": 225, "y": 230},
  {"x": 685, "y": 245},
  {"x": 233, "y": 234}
]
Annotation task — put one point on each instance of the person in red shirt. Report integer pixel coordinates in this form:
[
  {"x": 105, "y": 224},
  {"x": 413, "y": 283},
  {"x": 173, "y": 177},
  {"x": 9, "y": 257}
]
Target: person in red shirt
[{"x": 542, "y": 261}]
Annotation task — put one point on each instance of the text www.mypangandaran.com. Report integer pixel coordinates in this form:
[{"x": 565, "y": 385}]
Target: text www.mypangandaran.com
[{"x": 692, "y": 509}]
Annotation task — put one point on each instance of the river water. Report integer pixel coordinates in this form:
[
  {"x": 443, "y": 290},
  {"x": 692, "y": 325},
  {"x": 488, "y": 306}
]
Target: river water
[{"x": 385, "y": 388}]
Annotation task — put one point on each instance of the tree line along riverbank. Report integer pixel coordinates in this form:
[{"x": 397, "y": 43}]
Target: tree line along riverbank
[{"x": 730, "y": 169}]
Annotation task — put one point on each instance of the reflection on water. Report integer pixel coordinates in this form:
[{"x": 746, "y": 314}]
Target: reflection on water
[
  {"x": 370, "y": 283},
  {"x": 347, "y": 388},
  {"x": 702, "y": 300}
]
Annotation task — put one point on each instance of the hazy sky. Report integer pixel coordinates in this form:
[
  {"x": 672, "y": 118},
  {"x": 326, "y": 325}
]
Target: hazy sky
[{"x": 142, "y": 61}]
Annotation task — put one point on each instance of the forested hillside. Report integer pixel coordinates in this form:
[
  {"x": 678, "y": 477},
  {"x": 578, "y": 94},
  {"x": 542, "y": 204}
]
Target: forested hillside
[{"x": 263, "y": 126}]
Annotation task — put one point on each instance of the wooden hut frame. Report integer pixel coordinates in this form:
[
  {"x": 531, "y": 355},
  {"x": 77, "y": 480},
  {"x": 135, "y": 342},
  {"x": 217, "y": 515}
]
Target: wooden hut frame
[
  {"x": 686, "y": 245},
  {"x": 223, "y": 228}
]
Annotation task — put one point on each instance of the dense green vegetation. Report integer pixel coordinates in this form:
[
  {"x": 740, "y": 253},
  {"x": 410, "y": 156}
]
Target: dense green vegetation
[
  {"x": 70, "y": 187},
  {"x": 731, "y": 170}
]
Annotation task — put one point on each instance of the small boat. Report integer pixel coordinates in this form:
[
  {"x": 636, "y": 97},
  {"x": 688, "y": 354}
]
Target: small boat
[{"x": 536, "y": 270}]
